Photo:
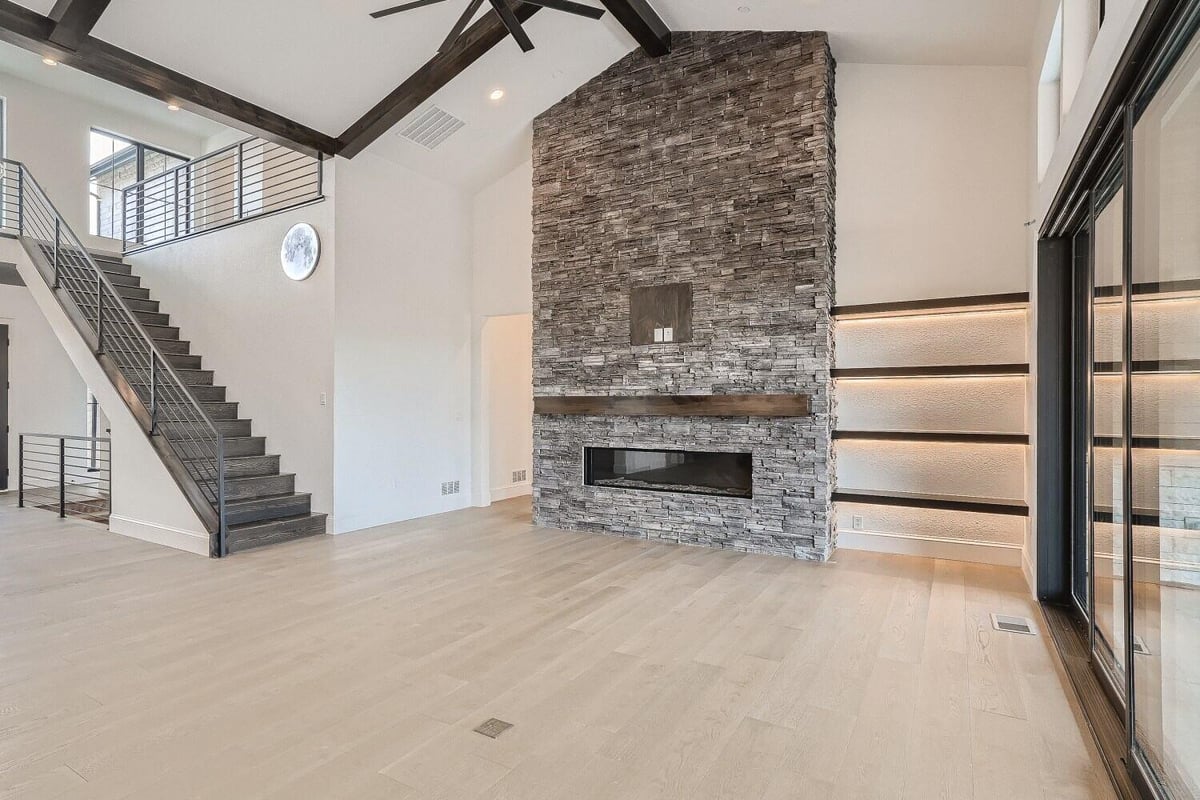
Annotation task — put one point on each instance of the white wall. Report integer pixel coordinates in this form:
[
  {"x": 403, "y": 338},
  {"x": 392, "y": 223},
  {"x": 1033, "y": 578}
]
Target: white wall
[
  {"x": 502, "y": 257},
  {"x": 46, "y": 394},
  {"x": 48, "y": 130},
  {"x": 931, "y": 181},
  {"x": 402, "y": 345},
  {"x": 268, "y": 339},
  {"x": 146, "y": 501},
  {"x": 507, "y": 376},
  {"x": 931, "y": 202}
]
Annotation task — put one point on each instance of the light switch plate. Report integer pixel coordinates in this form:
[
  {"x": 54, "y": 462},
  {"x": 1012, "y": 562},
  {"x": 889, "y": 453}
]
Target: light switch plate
[
  {"x": 856, "y": 522},
  {"x": 659, "y": 333},
  {"x": 668, "y": 334}
]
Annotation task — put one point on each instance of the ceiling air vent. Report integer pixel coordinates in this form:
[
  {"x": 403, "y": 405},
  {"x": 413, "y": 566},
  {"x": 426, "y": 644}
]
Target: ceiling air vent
[{"x": 432, "y": 127}]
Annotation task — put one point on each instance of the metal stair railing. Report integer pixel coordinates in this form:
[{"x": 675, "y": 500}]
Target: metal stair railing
[
  {"x": 68, "y": 474},
  {"x": 116, "y": 334},
  {"x": 248, "y": 179}
]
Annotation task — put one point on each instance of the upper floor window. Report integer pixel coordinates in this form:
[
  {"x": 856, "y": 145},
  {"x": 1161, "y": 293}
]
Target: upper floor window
[{"x": 115, "y": 164}]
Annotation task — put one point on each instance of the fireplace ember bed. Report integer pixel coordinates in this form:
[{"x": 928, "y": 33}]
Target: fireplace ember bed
[{"x": 682, "y": 471}]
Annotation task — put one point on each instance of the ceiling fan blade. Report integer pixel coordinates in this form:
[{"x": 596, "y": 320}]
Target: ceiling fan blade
[
  {"x": 512, "y": 23},
  {"x": 569, "y": 7},
  {"x": 461, "y": 25},
  {"x": 405, "y": 7}
]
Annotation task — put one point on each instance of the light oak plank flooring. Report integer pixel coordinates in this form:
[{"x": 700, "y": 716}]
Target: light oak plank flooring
[{"x": 357, "y": 667}]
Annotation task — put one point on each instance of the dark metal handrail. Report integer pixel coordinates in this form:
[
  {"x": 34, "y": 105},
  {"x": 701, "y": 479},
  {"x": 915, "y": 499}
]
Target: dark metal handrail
[
  {"x": 73, "y": 274},
  {"x": 70, "y": 474},
  {"x": 242, "y": 181}
]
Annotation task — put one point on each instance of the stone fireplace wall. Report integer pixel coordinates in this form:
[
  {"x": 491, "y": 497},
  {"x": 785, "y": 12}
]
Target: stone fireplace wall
[{"x": 712, "y": 166}]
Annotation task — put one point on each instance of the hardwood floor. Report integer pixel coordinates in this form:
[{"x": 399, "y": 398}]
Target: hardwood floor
[{"x": 357, "y": 667}]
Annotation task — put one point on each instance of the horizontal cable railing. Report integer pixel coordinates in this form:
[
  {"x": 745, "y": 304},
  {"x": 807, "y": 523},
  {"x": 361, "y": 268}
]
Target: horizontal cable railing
[
  {"x": 116, "y": 333},
  {"x": 250, "y": 179},
  {"x": 70, "y": 475}
]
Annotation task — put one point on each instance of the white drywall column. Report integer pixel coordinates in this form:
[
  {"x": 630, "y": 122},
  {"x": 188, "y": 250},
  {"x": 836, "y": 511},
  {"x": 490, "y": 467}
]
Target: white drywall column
[{"x": 502, "y": 258}]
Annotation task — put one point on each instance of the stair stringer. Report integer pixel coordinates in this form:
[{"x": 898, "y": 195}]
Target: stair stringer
[{"x": 149, "y": 501}]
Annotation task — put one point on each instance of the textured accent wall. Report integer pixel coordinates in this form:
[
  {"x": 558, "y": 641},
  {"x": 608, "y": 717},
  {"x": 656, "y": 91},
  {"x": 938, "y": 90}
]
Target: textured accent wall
[{"x": 711, "y": 166}]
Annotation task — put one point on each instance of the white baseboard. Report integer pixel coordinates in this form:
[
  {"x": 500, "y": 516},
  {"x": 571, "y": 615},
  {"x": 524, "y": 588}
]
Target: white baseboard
[
  {"x": 1007, "y": 555},
  {"x": 511, "y": 491},
  {"x": 160, "y": 534}
]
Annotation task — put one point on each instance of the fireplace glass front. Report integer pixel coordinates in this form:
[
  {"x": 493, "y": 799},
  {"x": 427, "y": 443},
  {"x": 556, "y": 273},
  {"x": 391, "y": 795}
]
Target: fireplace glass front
[{"x": 684, "y": 471}]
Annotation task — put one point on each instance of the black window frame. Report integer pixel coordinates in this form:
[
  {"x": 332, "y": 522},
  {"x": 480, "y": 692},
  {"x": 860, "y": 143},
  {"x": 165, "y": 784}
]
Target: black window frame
[{"x": 140, "y": 150}]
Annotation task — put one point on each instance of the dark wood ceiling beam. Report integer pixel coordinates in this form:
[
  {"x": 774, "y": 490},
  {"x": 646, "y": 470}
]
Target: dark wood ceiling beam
[
  {"x": 643, "y": 23},
  {"x": 32, "y": 31},
  {"x": 74, "y": 20},
  {"x": 426, "y": 81}
]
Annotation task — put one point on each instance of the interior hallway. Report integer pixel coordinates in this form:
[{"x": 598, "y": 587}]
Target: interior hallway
[{"x": 357, "y": 666}]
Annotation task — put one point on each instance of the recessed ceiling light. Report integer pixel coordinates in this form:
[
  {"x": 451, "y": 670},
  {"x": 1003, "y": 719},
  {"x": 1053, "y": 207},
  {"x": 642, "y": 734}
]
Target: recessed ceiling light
[
  {"x": 49, "y": 62},
  {"x": 172, "y": 107},
  {"x": 497, "y": 94}
]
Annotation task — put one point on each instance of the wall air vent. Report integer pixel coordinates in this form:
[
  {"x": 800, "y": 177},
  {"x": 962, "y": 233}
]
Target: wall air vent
[{"x": 431, "y": 127}]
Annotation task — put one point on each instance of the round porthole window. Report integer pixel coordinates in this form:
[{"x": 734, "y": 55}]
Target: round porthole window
[{"x": 300, "y": 252}]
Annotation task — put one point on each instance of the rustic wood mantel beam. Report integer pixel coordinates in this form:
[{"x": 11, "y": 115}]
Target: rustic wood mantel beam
[{"x": 678, "y": 405}]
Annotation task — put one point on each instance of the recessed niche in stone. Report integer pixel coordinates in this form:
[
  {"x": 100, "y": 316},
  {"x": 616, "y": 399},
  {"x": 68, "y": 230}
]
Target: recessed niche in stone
[
  {"x": 684, "y": 471},
  {"x": 660, "y": 314}
]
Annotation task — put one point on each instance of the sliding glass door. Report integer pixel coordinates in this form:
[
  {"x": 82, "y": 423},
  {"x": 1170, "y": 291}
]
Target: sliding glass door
[
  {"x": 1131, "y": 215},
  {"x": 1165, "y": 335},
  {"x": 1108, "y": 299}
]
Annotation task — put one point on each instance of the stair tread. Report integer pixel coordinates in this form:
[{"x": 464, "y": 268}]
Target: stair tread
[
  {"x": 239, "y": 458},
  {"x": 266, "y": 498},
  {"x": 242, "y": 526},
  {"x": 241, "y": 478}
]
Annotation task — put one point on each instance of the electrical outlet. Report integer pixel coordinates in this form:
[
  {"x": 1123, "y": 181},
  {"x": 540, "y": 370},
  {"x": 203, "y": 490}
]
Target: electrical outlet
[
  {"x": 324, "y": 399},
  {"x": 856, "y": 522}
]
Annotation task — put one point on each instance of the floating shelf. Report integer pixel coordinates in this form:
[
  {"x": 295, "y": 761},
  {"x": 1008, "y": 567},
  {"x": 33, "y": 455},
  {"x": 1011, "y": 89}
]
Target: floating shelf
[
  {"x": 1150, "y": 442},
  {"x": 959, "y": 437},
  {"x": 1174, "y": 366},
  {"x": 1187, "y": 286},
  {"x": 935, "y": 371},
  {"x": 944, "y": 305},
  {"x": 1146, "y": 517},
  {"x": 945, "y": 502}
]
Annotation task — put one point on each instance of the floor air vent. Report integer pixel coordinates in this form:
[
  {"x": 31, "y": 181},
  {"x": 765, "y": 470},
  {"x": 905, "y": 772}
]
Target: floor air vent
[
  {"x": 432, "y": 127},
  {"x": 493, "y": 727},
  {"x": 1010, "y": 624},
  {"x": 1139, "y": 646}
]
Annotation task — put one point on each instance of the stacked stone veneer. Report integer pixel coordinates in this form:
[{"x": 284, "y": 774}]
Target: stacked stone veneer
[{"x": 712, "y": 166}]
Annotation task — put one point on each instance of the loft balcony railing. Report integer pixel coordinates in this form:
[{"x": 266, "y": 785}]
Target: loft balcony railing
[
  {"x": 70, "y": 475},
  {"x": 145, "y": 377},
  {"x": 244, "y": 181}
]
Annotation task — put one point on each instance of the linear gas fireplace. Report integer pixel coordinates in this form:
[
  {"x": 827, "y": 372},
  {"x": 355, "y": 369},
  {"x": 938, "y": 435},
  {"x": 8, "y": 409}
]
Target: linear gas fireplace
[{"x": 684, "y": 471}]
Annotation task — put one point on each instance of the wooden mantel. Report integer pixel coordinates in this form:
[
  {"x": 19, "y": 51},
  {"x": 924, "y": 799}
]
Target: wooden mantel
[{"x": 678, "y": 405}]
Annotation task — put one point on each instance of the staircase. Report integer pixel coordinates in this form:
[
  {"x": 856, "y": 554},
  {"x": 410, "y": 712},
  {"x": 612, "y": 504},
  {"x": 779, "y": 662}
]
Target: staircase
[
  {"x": 224, "y": 470},
  {"x": 262, "y": 505}
]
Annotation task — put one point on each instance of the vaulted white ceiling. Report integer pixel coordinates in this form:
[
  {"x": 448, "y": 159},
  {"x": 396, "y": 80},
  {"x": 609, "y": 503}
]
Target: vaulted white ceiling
[{"x": 325, "y": 62}]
